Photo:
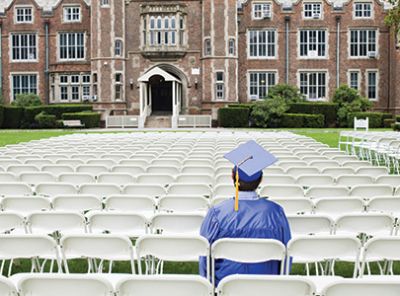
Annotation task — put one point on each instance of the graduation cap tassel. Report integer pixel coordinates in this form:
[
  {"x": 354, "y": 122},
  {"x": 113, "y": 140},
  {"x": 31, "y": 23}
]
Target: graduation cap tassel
[{"x": 237, "y": 190}]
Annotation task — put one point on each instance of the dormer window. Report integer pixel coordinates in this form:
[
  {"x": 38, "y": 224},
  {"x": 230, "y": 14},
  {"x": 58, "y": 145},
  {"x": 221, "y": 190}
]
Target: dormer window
[
  {"x": 362, "y": 10},
  {"x": 72, "y": 14},
  {"x": 23, "y": 15},
  {"x": 313, "y": 11},
  {"x": 262, "y": 10}
]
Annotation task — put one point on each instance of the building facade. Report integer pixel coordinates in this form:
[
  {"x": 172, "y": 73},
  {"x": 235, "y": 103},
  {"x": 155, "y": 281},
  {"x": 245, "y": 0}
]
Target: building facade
[{"x": 194, "y": 56}]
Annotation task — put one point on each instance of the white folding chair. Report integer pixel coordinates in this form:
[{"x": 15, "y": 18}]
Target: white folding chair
[
  {"x": 372, "y": 171},
  {"x": 55, "y": 188},
  {"x": 11, "y": 223},
  {"x": 164, "y": 285},
  {"x": 174, "y": 248},
  {"x": 166, "y": 162},
  {"x": 158, "y": 179},
  {"x": 353, "y": 180},
  {"x": 368, "y": 191},
  {"x": 385, "y": 204},
  {"x": 363, "y": 287},
  {"x": 163, "y": 170},
  {"x": 323, "y": 164},
  {"x": 93, "y": 169},
  {"x": 295, "y": 205},
  {"x": 129, "y": 169},
  {"x": 56, "y": 222},
  {"x": 392, "y": 180},
  {"x": 76, "y": 179},
  {"x": 315, "y": 180},
  {"x": 282, "y": 191},
  {"x": 104, "y": 162},
  {"x": 119, "y": 179},
  {"x": 301, "y": 225},
  {"x": 247, "y": 250},
  {"x": 324, "y": 249},
  {"x": 8, "y": 177},
  {"x": 338, "y": 171},
  {"x": 165, "y": 223},
  {"x": 106, "y": 247},
  {"x": 179, "y": 204},
  {"x": 261, "y": 285},
  {"x": 316, "y": 192},
  {"x": 34, "y": 178},
  {"x": 288, "y": 164},
  {"x": 21, "y": 168},
  {"x": 100, "y": 190},
  {"x": 296, "y": 171},
  {"x": 25, "y": 204},
  {"x": 14, "y": 189},
  {"x": 189, "y": 189},
  {"x": 141, "y": 204},
  {"x": 276, "y": 180},
  {"x": 198, "y": 178},
  {"x": 145, "y": 190},
  {"x": 70, "y": 162},
  {"x": 356, "y": 164},
  {"x": 338, "y": 206},
  {"x": 7, "y": 287},
  {"x": 57, "y": 169},
  {"x": 76, "y": 203},
  {"x": 117, "y": 222},
  {"x": 64, "y": 285},
  {"x": 28, "y": 246}
]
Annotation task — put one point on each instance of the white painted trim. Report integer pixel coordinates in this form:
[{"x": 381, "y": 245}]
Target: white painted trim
[
  {"x": 11, "y": 74},
  {"x": 359, "y": 78},
  {"x": 375, "y": 70},
  {"x": 10, "y": 47},
  {"x": 326, "y": 71},
  {"x": 261, "y": 2},
  {"x": 349, "y": 45},
  {"x": 354, "y": 17},
  {"x": 326, "y": 57},
  {"x": 24, "y": 6},
  {"x": 64, "y": 21},
  {"x": 312, "y": 18},
  {"x": 249, "y": 71},
  {"x": 85, "y": 36},
  {"x": 275, "y": 57}
]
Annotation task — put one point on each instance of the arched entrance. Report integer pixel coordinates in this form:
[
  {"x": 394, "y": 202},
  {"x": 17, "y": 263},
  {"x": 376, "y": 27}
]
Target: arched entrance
[{"x": 161, "y": 95}]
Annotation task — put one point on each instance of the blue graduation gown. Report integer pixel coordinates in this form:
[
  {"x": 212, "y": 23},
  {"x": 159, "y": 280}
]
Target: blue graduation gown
[{"x": 256, "y": 218}]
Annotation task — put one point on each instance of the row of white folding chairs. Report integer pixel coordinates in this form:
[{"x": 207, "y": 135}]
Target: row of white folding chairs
[
  {"x": 132, "y": 224},
  {"x": 180, "y": 285}
]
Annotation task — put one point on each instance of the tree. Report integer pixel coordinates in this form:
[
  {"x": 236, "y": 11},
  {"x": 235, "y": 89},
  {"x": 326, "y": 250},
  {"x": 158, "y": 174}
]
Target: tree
[{"x": 393, "y": 17}]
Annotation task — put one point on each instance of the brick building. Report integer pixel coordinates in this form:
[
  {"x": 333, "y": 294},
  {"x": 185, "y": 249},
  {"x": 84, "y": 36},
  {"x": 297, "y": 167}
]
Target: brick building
[{"x": 194, "y": 56}]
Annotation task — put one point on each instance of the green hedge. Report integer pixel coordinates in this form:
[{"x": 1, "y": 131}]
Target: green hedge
[
  {"x": 1, "y": 115},
  {"x": 57, "y": 110},
  {"x": 12, "y": 117},
  {"x": 375, "y": 118},
  {"x": 329, "y": 110},
  {"x": 89, "y": 119},
  {"x": 46, "y": 120},
  {"x": 302, "y": 120},
  {"x": 397, "y": 118},
  {"x": 234, "y": 117},
  {"x": 388, "y": 123}
]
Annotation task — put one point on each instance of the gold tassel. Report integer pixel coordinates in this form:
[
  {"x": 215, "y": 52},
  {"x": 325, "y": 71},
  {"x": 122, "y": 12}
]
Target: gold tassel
[{"x": 237, "y": 191}]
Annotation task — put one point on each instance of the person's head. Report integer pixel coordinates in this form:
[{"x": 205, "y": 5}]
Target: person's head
[{"x": 247, "y": 183}]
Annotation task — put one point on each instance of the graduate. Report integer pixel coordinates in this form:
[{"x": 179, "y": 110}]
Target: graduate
[{"x": 247, "y": 215}]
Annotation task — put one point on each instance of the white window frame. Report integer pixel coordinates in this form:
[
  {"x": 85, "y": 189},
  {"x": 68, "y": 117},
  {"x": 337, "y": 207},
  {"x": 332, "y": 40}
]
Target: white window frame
[
  {"x": 258, "y": 44},
  {"x": 232, "y": 46},
  {"x": 121, "y": 48},
  {"x": 120, "y": 84},
  {"x": 358, "y": 43},
  {"x": 314, "y": 71},
  {"x": 266, "y": 10},
  {"x": 376, "y": 71},
  {"x": 349, "y": 72},
  {"x": 308, "y": 44},
  {"x": 163, "y": 31},
  {"x": 313, "y": 10},
  {"x": 12, "y": 74},
  {"x": 105, "y": 3},
  {"x": 267, "y": 85},
  {"x": 207, "y": 46},
  {"x": 24, "y": 7},
  {"x": 66, "y": 13},
  {"x": 59, "y": 47},
  {"x": 363, "y": 3},
  {"x": 29, "y": 60},
  {"x": 219, "y": 83}
]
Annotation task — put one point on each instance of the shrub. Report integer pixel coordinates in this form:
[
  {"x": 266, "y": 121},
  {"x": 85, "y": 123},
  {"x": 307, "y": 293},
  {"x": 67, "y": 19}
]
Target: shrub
[
  {"x": 388, "y": 123},
  {"x": 329, "y": 110},
  {"x": 12, "y": 117},
  {"x": 89, "y": 119},
  {"x": 375, "y": 118},
  {"x": 26, "y": 100},
  {"x": 57, "y": 110},
  {"x": 396, "y": 126},
  {"x": 46, "y": 120},
  {"x": 289, "y": 92},
  {"x": 233, "y": 117},
  {"x": 302, "y": 120},
  {"x": 349, "y": 101},
  {"x": 249, "y": 105},
  {"x": 268, "y": 112}
]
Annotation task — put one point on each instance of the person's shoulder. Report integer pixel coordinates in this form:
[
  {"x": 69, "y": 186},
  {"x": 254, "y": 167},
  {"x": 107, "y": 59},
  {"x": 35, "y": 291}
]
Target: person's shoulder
[{"x": 271, "y": 204}]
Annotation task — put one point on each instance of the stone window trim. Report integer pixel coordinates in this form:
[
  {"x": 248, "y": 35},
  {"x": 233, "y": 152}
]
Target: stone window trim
[
  {"x": 208, "y": 49},
  {"x": 232, "y": 46},
  {"x": 24, "y": 14},
  {"x": 374, "y": 45},
  {"x": 269, "y": 50},
  {"x": 22, "y": 53},
  {"x": 71, "y": 87},
  {"x": 73, "y": 12},
  {"x": 118, "y": 47},
  {"x": 321, "y": 44},
  {"x": 350, "y": 80},
  {"x": 363, "y": 10},
  {"x": 313, "y": 10},
  {"x": 35, "y": 89},
  {"x": 254, "y": 94},
  {"x": 261, "y": 10},
  {"x": 118, "y": 89},
  {"x": 320, "y": 88},
  {"x": 219, "y": 85},
  {"x": 368, "y": 85}
]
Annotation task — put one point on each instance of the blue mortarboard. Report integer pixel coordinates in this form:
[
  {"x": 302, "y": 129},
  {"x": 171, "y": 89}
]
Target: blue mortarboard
[{"x": 249, "y": 160}]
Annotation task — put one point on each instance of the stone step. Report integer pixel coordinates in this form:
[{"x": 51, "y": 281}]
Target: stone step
[{"x": 158, "y": 122}]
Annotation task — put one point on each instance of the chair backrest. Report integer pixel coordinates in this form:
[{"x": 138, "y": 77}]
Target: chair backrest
[
  {"x": 361, "y": 287},
  {"x": 109, "y": 247},
  {"x": 106, "y": 162},
  {"x": 7, "y": 287},
  {"x": 353, "y": 180},
  {"x": 391, "y": 180},
  {"x": 361, "y": 124},
  {"x": 100, "y": 190},
  {"x": 14, "y": 189},
  {"x": 93, "y": 169},
  {"x": 385, "y": 204},
  {"x": 25, "y": 204},
  {"x": 129, "y": 169},
  {"x": 64, "y": 285},
  {"x": 367, "y": 191},
  {"x": 145, "y": 190},
  {"x": 276, "y": 179},
  {"x": 327, "y": 191},
  {"x": 20, "y": 168},
  {"x": 280, "y": 191},
  {"x": 338, "y": 171},
  {"x": 177, "y": 223},
  {"x": 158, "y": 179},
  {"x": 177, "y": 285},
  {"x": 261, "y": 285},
  {"x": 179, "y": 204},
  {"x": 55, "y": 188},
  {"x": 119, "y": 179},
  {"x": 49, "y": 222},
  {"x": 315, "y": 180},
  {"x": 76, "y": 178},
  {"x": 301, "y": 225},
  {"x": 295, "y": 205},
  {"x": 197, "y": 178},
  {"x": 338, "y": 206},
  {"x": 34, "y": 178},
  {"x": 76, "y": 203},
  {"x": 164, "y": 170},
  {"x": 194, "y": 188},
  {"x": 370, "y": 224},
  {"x": 372, "y": 171},
  {"x": 296, "y": 171},
  {"x": 57, "y": 169},
  {"x": 183, "y": 248},
  {"x": 11, "y": 222},
  {"x": 8, "y": 177},
  {"x": 117, "y": 222}
]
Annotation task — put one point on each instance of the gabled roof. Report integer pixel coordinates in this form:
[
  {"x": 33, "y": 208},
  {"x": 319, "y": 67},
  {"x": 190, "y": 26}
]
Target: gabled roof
[
  {"x": 157, "y": 71},
  {"x": 46, "y": 5}
]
